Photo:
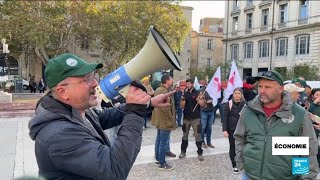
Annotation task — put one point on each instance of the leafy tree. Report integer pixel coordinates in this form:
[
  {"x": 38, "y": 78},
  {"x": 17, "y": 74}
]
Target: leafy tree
[
  {"x": 117, "y": 30},
  {"x": 209, "y": 71},
  {"x": 124, "y": 29},
  {"x": 306, "y": 70}
]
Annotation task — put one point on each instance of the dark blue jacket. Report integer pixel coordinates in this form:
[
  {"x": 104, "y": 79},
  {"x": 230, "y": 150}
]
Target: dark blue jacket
[
  {"x": 191, "y": 103},
  {"x": 67, "y": 148},
  {"x": 177, "y": 98}
]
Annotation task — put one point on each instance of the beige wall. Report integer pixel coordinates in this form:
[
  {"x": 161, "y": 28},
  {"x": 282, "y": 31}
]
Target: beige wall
[
  {"x": 194, "y": 50},
  {"x": 205, "y": 24},
  {"x": 200, "y": 51},
  {"x": 185, "y": 54}
]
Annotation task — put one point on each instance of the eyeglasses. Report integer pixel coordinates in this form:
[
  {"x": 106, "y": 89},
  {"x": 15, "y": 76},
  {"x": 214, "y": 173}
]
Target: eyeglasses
[{"x": 89, "y": 79}]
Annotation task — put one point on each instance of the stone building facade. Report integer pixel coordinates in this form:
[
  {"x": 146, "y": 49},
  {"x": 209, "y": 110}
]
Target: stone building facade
[
  {"x": 184, "y": 56},
  {"x": 271, "y": 34},
  {"x": 206, "y": 50},
  {"x": 207, "y": 45}
]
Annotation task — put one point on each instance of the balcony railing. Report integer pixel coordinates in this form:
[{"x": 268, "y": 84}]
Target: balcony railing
[
  {"x": 303, "y": 21},
  {"x": 248, "y": 31},
  {"x": 282, "y": 25},
  {"x": 234, "y": 33},
  {"x": 263, "y": 28}
]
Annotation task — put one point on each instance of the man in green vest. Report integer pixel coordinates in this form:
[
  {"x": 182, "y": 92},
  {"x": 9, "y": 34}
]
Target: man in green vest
[{"x": 272, "y": 113}]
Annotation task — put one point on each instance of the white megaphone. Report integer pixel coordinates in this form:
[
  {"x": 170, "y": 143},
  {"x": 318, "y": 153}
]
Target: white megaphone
[{"x": 155, "y": 55}]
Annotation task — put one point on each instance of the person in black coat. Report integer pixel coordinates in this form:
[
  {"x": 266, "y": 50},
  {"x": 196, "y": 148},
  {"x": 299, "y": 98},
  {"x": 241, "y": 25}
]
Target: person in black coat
[{"x": 231, "y": 113}]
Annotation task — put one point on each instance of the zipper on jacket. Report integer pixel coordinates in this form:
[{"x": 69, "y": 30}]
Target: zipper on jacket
[
  {"x": 266, "y": 139},
  {"x": 265, "y": 142}
]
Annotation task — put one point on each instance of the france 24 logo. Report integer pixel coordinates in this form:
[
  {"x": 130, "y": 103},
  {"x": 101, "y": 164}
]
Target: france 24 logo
[{"x": 300, "y": 166}]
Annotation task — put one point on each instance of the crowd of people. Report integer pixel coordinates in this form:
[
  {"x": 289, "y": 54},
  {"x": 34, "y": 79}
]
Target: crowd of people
[
  {"x": 262, "y": 108},
  {"x": 68, "y": 126},
  {"x": 33, "y": 85}
]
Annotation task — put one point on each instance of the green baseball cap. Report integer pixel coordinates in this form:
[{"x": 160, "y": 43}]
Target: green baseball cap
[
  {"x": 302, "y": 82},
  {"x": 270, "y": 75},
  {"x": 67, "y": 65}
]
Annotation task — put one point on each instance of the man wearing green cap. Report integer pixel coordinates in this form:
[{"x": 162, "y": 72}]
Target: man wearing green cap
[
  {"x": 68, "y": 132},
  {"x": 303, "y": 99},
  {"x": 272, "y": 113}
]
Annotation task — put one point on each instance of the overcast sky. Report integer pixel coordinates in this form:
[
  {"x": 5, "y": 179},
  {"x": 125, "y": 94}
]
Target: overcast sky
[{"x": 204, "y": 9}]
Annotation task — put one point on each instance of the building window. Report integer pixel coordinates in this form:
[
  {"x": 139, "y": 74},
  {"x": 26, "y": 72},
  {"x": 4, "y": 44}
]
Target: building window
[
  {"x": 236, "y": 4},
  {"x": 247, "y": 72},
  {"x": 235, "y": 24},
  {"x": 209, "y": 45},
  {"x": 234, "y": 52},
  {"x": 262, "y": 69},
  {"x": 264, "y": 17},
  {"x": 282, "y": 47},
  {"x": 304, "y": 9},
  {"x": 302, "y": 44},
  {"x": 264, "y": 48},
  {"x": 213, "y": 28},
  {"x": 283, "y": 13},
  {"x": 249, "y": 21},
  {"x": 249, "y": 3},
  {"x": 248, "y": 50},
  {"x": 208, "y": 63}
]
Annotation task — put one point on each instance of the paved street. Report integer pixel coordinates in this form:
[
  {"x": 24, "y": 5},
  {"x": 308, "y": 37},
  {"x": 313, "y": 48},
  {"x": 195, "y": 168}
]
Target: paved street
[{"x": 17, "y": 154}]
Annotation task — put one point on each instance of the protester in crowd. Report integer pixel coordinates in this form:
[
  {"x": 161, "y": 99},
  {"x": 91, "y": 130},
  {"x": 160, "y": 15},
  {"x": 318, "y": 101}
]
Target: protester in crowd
[
  {"x": 191, "y": 117},
  {"x": 248, "y": 89},
  {"x": 315, "y": 110},
  {"x": 294, "y": 91},
  {"x": 272, "y": 113},
  {"x": 308, "y": 91},
  {"x": 177, "y": 98},
  {"x": 231, "y": 113},
  {"x": 303, "y": 95},
  {"x": 32, "y": 85},
  {"x": 41, "y": 86},
  {"x": 68, "y": 132},
  {"x": 207, "y": 116},
  {"x": 163, "y": 118},
  {"x": 146, "y": 83},
  {"x": 219, "y": 107}
]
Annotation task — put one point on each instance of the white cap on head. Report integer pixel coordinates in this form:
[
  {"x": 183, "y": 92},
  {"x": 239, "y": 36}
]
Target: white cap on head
[{"x": 292, "y": 88}]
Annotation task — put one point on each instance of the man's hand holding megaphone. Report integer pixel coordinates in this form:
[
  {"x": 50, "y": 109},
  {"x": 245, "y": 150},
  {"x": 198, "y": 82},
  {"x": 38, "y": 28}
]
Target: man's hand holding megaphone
[{"x": 138, "y": 96}]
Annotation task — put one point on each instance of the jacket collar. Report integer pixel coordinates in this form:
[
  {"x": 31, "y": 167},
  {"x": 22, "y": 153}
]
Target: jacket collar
[{"x": 64, "y": 110}]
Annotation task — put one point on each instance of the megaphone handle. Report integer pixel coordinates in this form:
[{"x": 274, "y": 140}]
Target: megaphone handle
[
  {"x": 124, "y": 91},
  {"x": 102, "y": 95}
]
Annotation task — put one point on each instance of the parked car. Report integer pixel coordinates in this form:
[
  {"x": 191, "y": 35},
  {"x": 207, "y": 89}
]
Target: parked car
[
  {"x": 25, "y": 84},
  {"x": 9, "y": 87}
]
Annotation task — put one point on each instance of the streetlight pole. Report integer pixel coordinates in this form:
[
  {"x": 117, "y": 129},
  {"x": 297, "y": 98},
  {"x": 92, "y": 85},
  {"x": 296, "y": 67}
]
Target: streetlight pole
[{"x": 5, "y": 51}]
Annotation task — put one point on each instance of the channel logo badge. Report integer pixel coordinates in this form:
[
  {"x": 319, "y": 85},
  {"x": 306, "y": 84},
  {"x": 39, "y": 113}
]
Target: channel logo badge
[{"x": 300, "y": 166}]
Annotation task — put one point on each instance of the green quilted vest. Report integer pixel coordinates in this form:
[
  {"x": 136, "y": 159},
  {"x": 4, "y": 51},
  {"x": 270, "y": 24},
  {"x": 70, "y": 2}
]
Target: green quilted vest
[{"x": 257, "y": 153}]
